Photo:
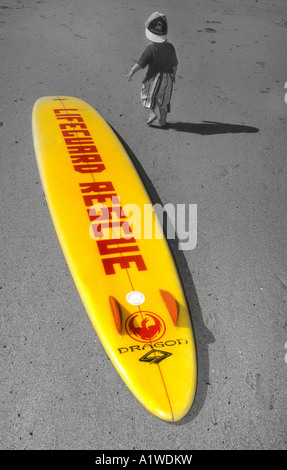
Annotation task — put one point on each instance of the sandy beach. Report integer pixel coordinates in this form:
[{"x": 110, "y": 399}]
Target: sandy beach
[{"x": 224, "y": 150}]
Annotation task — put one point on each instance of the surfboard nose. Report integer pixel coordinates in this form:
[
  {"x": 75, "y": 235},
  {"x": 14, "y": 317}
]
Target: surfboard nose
[
  {"x": 172, "y": 412},
  {"x": 165, "y": 399}
]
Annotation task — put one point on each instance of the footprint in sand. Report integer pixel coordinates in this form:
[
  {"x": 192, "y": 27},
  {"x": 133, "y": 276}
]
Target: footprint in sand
[{"x": 264, "y": 90}]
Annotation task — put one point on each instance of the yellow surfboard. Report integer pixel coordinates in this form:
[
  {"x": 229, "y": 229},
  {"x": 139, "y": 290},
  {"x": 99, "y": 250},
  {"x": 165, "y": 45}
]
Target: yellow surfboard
[{"x": 117, "y": 254}]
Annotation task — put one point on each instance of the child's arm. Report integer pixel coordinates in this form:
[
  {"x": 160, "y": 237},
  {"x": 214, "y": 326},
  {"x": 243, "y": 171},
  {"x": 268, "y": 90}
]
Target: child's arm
[
  {"x": 133, "y": 70},
  {"x": 173, "y": 72}
]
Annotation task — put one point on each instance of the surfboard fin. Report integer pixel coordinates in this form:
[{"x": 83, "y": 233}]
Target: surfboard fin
[
  {"x": 171, "y": 305},
  {"x": 116, "y": 314}
]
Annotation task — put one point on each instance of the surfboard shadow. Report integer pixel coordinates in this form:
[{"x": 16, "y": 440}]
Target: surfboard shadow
[
  {"x": 203, "y": 336},
  {"x": 211, "y": 128}
]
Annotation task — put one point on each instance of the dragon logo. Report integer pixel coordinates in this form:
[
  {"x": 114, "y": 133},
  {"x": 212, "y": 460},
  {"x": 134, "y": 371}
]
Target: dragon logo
[
  {"x": 159, "y": 26},
  {"x": 155, "y": 356},
  {"x": 145, "y": 327}
]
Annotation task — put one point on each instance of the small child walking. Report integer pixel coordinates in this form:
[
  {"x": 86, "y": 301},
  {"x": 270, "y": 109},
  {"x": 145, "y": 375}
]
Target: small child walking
[{"x": 160, "y": 57}]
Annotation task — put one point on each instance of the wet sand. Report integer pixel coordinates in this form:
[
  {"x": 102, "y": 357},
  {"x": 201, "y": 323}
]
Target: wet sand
[{"x": 224, "y": 150}]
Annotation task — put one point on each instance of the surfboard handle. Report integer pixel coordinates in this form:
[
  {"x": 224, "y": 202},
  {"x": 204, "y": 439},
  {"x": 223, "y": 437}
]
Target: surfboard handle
[
  {"x": 171, "y": 305},
  {"x": 116, "y": 314}
]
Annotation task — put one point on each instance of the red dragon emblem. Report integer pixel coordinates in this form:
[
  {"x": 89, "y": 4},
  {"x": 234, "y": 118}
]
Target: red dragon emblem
[{"x": 145, "y": 327}]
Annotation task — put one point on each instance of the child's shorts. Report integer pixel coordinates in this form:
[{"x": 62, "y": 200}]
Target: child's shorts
[{"x": 157, "y": 91}]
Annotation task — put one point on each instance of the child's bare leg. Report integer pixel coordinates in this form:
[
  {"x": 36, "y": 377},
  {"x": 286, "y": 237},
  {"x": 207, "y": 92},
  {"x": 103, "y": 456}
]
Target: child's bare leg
[
  {"x": 152, "y": 116},
  {"x": 162, "y": 117}
]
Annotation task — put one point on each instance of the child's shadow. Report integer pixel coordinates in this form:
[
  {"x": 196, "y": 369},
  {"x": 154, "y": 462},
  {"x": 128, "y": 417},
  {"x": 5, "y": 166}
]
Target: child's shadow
[
  {"x": 211, "y": 127},
  {"x": 203, "y": 336}
]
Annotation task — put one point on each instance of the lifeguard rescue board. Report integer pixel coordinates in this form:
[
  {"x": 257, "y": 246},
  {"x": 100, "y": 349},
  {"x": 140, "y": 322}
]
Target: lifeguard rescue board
[{"x": 128, "y": 282}]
